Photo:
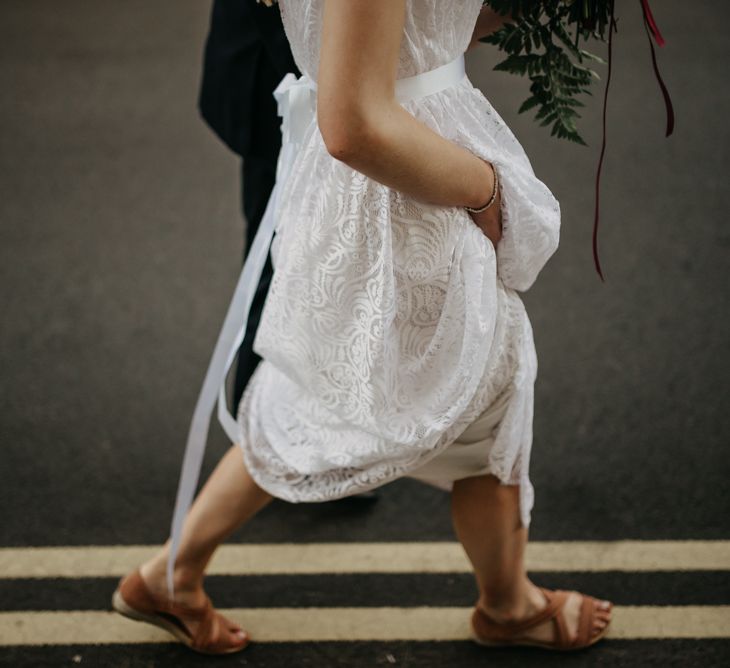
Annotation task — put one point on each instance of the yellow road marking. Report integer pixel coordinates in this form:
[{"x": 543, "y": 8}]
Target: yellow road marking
[
  {"x": 441, "y": 557},
  {"x": 345, "y": 624}
]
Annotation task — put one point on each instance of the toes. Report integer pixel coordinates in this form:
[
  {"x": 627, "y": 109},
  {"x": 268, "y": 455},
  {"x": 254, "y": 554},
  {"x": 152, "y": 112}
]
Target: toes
[
  {"x": 232, "y": 632},
  {"x": 600, "y": 621},
  {"x": 229, "y": 623},
  {"x": 232, "y": 626},
  {"x": 236, "y": 631},
  {"x": 602, "y": 616},
  {"x": 241, "y": 637},
  {"x": 598, "y": 627},
  {"x": 236, "y": 637}
]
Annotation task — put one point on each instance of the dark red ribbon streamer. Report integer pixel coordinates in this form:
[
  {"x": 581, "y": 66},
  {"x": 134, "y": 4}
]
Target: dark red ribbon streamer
[
  {"x": 652, "y": 30},
  {"x": 596, "y": 261},
  {"x": 650, "y": 25},
  {"x": 649, "y": 18}
]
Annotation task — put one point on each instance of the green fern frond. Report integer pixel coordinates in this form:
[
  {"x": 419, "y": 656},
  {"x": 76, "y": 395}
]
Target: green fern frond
[{"x": 538, "y": 44}]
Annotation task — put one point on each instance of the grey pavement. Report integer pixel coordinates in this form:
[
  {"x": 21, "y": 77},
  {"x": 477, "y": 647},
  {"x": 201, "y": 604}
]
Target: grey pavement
[{"x": 121, "y": 241}]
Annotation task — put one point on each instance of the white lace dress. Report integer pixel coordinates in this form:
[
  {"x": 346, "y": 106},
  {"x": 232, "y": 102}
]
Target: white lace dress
[{"x": 392, "y": 324}]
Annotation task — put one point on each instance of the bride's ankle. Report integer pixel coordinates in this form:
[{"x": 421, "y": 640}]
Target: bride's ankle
[
  {"x": 186, "y": 581},
  {"x": 505, "y": 606}
]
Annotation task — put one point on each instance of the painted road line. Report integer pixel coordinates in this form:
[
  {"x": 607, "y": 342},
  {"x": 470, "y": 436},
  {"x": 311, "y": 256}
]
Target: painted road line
[
  {"x": 441, "y": 557},
  {"x": 345, "y": 624}
]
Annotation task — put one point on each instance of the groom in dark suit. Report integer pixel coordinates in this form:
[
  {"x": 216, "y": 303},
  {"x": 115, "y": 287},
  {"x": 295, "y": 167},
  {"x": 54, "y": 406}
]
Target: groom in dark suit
[{"x": 246, "y": 56}]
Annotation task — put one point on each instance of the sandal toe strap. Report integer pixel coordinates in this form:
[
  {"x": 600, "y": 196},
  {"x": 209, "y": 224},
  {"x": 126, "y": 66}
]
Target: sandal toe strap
[
  {"x": 585, "y": 621},
  {"x": 208, "y": 628}
]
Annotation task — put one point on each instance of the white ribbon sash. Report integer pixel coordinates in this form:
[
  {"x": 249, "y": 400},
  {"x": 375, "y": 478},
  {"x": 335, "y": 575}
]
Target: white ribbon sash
[{"x": 296, "y": 105}]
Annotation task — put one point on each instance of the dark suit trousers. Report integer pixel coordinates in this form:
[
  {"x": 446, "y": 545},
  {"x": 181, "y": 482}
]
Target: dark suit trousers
[
  {"x": 246, "y": 55},
  {"x": 257, "y": 180}
]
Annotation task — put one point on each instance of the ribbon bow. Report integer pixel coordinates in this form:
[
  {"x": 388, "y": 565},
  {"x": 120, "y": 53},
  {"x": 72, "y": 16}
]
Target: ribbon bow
[{"x": 295, "y": 105}]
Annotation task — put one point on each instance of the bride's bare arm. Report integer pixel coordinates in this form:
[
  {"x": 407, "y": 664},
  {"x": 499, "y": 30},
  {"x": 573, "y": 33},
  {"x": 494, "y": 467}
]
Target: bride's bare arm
[{"x": 362, "y": 123}]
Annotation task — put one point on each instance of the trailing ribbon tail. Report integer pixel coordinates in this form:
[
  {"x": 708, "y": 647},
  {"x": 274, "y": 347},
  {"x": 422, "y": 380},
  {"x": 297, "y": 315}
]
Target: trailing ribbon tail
[
  {"x": 295, "y": 106},
  {"x": 611, "y": 29},
  {"x": 652, "y": 30},
  {"x": 648, "y": 16}
]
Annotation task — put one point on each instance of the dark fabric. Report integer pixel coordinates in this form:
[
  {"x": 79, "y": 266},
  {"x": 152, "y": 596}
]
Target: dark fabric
[
  {"x": 257, "y": 179},
  {"x": 246, "y": 56}
]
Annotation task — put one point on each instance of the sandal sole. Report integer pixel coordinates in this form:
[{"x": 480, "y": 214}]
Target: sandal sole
[{"x": 537, "y": 643}]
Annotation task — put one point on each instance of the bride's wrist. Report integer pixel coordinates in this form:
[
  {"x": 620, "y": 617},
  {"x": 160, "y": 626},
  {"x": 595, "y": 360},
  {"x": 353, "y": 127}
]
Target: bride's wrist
[
  {"x": 481, "y": 187},
  {"x": 485, "y": 200}
]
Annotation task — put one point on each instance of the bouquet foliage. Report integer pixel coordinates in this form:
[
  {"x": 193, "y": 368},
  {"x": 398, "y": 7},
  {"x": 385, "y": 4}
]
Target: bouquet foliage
[{"x": 543, "y": 42}]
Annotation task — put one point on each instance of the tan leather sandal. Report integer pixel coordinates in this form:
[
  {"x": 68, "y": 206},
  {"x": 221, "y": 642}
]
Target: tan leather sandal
[
  {"x": 215, "y": 634},
  {"x": 486, "y": 631}
]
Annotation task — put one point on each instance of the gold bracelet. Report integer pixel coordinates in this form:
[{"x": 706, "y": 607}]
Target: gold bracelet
[{"x": 492, "y": 198}]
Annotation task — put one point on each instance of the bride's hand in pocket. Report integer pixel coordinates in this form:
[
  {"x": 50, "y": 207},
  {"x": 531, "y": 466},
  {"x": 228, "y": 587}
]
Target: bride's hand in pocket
[{"x": 490, "y": 220}]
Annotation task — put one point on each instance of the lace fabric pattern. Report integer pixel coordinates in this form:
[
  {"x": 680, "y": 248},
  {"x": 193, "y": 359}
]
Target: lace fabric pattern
[{"x": 391, "y": 324}]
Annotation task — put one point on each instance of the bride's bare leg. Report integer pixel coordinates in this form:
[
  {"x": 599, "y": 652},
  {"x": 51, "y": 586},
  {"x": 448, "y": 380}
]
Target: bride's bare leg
[
  {"x": 229, "y": 498},
  {"x": 486, "y": 519}
]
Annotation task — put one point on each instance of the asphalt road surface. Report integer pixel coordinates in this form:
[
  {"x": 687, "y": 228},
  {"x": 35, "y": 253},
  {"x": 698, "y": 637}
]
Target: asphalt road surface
[{"x": 120, "y": 244}]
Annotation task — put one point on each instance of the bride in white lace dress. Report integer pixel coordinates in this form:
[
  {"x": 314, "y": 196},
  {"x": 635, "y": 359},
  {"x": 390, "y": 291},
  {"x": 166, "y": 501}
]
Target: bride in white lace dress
[
  {"x": 393, "y": 338},
  {"x": 391, "y": 323}
]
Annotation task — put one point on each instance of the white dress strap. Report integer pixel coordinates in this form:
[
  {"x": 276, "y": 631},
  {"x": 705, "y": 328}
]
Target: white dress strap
[{"x": 296, "y": 105}]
